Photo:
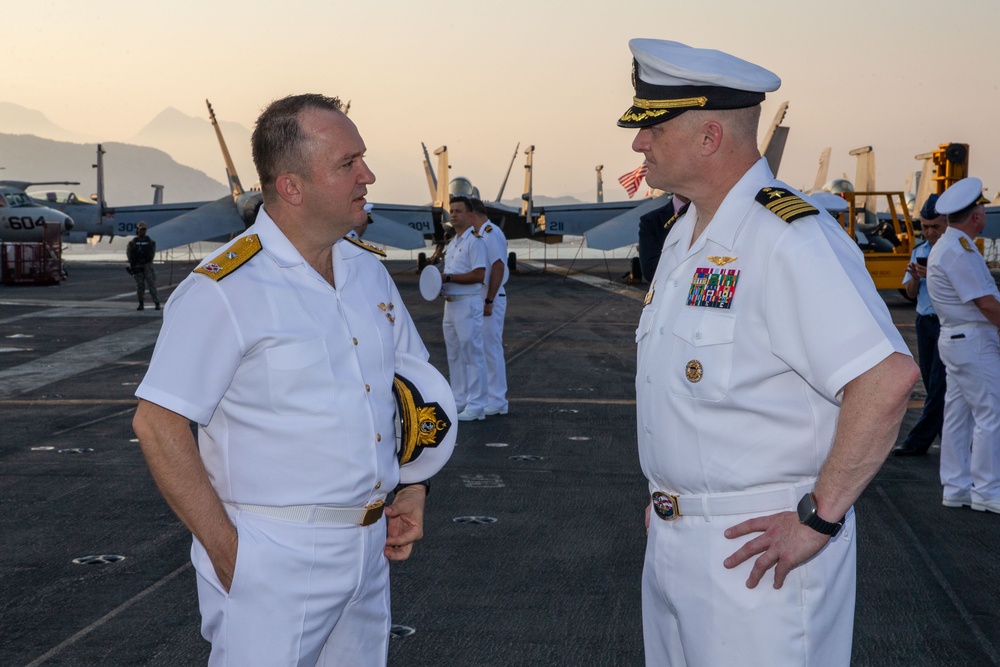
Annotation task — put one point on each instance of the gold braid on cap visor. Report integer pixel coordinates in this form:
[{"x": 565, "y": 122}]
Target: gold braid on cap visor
[
  {"x": 683, "y": 103},
  {"x": 656, "y": 108}
]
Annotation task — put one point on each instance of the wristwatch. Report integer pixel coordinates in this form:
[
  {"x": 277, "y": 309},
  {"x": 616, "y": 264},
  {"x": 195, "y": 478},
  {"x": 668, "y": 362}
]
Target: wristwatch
[
  {"x": 809, "y": 517},
  {"x": 447, "y": 277}
]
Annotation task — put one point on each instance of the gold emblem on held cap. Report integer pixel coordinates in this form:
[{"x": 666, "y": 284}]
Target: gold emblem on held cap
[{"x": 693, "y": 371}]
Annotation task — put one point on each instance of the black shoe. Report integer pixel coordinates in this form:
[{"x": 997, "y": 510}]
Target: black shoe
[
  {"x": 909, "y": 450},
  {"x": 142, "y": 306},
  {"x": 157, "y": 305}
]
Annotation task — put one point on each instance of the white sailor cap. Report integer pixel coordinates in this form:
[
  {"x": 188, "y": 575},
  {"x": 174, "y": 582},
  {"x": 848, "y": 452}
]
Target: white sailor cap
[
  {"x": 961, "y": 195},
  {"x": 670, "y": 78},
  {"x": 833, "y": 204}
]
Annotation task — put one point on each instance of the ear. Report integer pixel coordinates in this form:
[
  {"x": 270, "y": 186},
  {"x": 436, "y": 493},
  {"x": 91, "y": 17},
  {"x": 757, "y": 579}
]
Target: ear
[
  {"x": 711, "y": 137},
  {"x": 289, "y": 188}
]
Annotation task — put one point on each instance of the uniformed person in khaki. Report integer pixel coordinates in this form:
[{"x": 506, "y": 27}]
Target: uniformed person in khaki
[
  {"x": 967, "y": 302},
  {"x": 766, "y": 399},
  {"x": 282, "y": 348}
]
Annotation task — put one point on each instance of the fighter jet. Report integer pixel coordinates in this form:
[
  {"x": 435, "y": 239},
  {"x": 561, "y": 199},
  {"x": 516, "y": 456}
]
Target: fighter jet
[{"x": 24, "y": 220}]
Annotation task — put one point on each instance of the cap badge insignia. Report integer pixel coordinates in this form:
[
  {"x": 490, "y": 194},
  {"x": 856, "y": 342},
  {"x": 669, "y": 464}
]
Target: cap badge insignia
[
  {"x": 693, "y": 371},
  {"x": 720, "y": 261},
  {"x": 665, "y": 506}
]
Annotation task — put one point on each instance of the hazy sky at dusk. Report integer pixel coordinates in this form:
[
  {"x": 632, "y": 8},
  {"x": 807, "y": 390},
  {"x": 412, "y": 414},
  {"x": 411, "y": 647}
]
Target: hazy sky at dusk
[{"x": 481, "y": 76}]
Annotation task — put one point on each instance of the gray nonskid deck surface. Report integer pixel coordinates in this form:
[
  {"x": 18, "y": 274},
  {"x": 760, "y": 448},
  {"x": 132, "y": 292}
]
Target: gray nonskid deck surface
[{"x": 553, "y": 581}]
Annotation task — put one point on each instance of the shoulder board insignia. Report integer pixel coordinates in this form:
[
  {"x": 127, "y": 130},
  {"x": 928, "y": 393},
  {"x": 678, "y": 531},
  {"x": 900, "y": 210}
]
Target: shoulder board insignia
[
  {"x": 489, "y": 228},
  {"x": 476, "y": 234},
  {"x": 965, "y": 243},
  {"x": 364, "y": 246},
  {"x": 784, "y": 204},
  {"x": 233, "y": 258}
]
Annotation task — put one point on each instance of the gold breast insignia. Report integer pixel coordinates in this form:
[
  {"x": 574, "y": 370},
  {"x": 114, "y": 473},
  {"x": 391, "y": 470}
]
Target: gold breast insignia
[
  {"x": 720, "y": 261},
  {"x": 693, "y": 371}
]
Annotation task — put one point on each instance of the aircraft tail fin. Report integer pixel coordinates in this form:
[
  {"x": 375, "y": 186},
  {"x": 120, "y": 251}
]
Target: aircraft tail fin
[
  {"x": 441, "y": 195},
  {"x": 101, "y": 203},
  {"x": 235, "y": 187},
  {"x": 527, "y": 199},
  {"x": 510, "y": 166},
  {"x": 823, "y": 171},
  {"x": 773, "y": 146},
  {"x": 429, "y": 173}
]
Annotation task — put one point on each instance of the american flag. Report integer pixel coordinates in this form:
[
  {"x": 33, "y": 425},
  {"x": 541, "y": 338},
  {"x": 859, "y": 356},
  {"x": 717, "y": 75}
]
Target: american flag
[{"x": 632, "y": 179}]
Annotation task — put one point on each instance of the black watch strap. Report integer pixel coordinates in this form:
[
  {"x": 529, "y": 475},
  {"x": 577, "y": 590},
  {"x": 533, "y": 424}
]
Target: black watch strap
[{"x": 809, "y": 517}]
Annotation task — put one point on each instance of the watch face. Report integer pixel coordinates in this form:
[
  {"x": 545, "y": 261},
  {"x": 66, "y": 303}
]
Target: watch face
[{"x": 806, "y": 508}]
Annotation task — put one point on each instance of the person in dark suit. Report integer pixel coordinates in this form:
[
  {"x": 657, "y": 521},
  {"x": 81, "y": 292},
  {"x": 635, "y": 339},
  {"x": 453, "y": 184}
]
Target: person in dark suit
[{"x": 653, "y": 229}]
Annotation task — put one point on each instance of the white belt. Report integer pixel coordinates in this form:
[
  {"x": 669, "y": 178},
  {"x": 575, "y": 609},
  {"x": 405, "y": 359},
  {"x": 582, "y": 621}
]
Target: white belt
[
  {"x": 452, "y": 297},
  {"x": 343, "y": 516},
  {"x": 670, "y": 506},
  {"x": 967, "y": 325}
]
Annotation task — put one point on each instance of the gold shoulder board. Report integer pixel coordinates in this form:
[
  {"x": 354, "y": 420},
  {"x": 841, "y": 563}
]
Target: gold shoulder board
[
  {"x": 476, "y": 234},
  {"x": 965, "y": 243},
  {"x": 785, "y": 204},
  {"x": 364, "y": 246},
  {"x": 231, "y": 259}
]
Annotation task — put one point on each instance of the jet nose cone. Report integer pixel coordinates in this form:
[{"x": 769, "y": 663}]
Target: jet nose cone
[{"x": 68, "y": 223}]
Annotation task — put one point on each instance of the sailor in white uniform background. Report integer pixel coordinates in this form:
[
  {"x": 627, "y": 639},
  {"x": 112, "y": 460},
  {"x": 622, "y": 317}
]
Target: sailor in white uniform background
[
  {"x": 462, "y": 286},
  {"x": 283, "y": 349},
  {"x": 494, "y": 308},
  {"x": 967, "y": 302},
  {"x": 759, "y": 422}
]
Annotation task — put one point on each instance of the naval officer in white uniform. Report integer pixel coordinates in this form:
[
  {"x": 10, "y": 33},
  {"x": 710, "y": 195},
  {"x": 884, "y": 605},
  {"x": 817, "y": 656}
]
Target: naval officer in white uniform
[
  {"x": 767, "y": 398},
  {"x": 283, "y": 349},
  {"x": 494, "y": 308},
  {"x": 462, "y": 286},
  {"x": 966, "y": 299}
]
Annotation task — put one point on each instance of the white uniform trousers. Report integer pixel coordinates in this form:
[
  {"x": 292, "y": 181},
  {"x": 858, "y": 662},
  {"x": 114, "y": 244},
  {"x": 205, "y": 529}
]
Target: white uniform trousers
[
  {"x": 302, "y": 595},
  {"x": 463, "y": 336},
  {"x": 696, "y": 613},
  {"x": 496, "y": 368},
  {"x": 971, "y": 413}
]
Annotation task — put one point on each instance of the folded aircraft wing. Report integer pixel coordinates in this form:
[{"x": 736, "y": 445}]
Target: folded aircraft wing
[
  {"x": 400, "y": 226},
  {"x": 623, "y": 229},
  {"x": 215, "y": 220},
  {"x": 389, "y": 231},
  {"x": 578, "y": 219}
]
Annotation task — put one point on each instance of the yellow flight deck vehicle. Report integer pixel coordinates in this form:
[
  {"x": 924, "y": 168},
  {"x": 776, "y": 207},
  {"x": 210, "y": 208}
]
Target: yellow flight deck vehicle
[{"x": 887, "y": 238}]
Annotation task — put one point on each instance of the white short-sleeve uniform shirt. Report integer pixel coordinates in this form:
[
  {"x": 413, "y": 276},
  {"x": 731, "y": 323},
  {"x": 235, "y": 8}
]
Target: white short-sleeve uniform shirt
[
  {"x": 746, "y": 342},
  {"x": 957, "y": 274},
  {"x": 496, "y": 249},
  {"x": 288, "y": 377},
  {"x": 464, "y": 253}
]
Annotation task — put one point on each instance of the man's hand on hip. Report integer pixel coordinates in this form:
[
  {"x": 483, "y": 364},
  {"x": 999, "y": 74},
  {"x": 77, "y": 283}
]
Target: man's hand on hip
[{"x": 784, "y": 545}]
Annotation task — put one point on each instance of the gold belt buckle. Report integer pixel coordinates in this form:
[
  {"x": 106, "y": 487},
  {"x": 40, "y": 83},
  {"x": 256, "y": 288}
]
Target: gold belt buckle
[
  {"x": 373, "y": 513},
  {"x": 665, "y": 505}
]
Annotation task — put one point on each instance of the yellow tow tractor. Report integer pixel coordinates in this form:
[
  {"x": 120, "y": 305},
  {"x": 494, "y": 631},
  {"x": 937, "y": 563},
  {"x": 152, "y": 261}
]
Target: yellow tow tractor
[{"x": 886, "y": 239}]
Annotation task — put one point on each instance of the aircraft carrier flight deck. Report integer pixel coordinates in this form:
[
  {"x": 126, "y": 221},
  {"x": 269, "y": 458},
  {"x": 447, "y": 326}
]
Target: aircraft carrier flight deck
[{"x": 534, "y": 536}]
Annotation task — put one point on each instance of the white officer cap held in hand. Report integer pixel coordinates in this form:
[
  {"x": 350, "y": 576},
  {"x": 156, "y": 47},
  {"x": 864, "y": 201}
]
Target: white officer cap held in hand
[
  {"x": 960, "y": 195},
  {"x": 670, "y": 78}
]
